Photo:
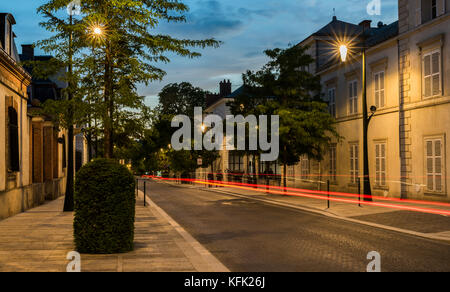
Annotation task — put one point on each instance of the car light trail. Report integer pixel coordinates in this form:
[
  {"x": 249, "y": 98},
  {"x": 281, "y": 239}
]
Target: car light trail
[{"x": 322, "y": 195}]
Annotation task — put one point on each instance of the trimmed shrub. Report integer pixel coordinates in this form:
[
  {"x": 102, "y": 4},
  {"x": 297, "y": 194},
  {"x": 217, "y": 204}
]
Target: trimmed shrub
[{"x": 104, "y": 208}]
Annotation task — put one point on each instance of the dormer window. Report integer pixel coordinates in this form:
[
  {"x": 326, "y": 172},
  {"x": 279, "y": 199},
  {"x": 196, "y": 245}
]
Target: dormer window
[
  {"x": 8, "y": 37},
  {"x": 433, "y": 9},
  {"x": 428, "y": 10}
]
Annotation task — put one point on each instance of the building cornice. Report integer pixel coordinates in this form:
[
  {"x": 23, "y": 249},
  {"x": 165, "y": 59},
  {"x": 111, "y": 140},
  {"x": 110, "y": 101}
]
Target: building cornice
[{"x": 15, "y": 69}]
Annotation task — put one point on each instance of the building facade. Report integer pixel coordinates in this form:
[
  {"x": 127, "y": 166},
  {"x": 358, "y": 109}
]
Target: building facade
[
  {"x": 33, "y": 151},
  {"x": 408, "y": 69}
]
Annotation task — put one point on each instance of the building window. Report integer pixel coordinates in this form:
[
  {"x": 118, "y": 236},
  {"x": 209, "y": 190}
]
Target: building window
[
  {"x": 379, "y": 89},
  {"x": 8, "y": 41},
  {"x": 266, "y": 167},
  {"x": 353, "y": 97},
  {"x": 434, "y": 165},
  {"x": 380, "y": 162},
  {"x": 236, "y": 163},
  {"x": 354, "y": 163},
  {"x": 433, "y": 9},
  {"x": 13, "y": 142},
  {"x": 304, "y": 162},
  {"x": 332, "y": 101},
  {"x": 432, "y": 74},
  {"x": 333, "y": 165}
]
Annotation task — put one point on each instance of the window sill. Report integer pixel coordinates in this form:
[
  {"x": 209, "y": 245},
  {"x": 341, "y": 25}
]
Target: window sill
[
  {"x": 381, "y": 188},
  {"x": 435, "y": 194}
]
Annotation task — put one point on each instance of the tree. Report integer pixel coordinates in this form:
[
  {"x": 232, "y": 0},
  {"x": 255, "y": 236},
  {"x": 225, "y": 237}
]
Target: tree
[
  {"x": 131, "y": 47},
  {"x": 123, "y": 55},
  {"x": 285, "y": 88}
]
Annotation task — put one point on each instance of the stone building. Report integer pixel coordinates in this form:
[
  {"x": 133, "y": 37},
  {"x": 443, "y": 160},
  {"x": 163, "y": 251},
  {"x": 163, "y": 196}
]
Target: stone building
[
  {"x": 408, "y": 69},
  {"x": 34, "y": 151}
]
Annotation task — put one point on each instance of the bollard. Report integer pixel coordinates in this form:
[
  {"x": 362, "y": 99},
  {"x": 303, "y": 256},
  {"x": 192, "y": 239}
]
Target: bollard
[
  {"x": 328, "y": 192},
  {"x": 359, "y": 192},
  {"x": 145, "y": 191}
]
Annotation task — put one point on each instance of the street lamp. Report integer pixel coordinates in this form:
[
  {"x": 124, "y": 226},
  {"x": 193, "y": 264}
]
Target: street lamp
[{"x": 343, "y": 52}]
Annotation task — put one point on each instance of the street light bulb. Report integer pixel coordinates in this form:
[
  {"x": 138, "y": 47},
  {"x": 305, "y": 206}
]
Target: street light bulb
[
  {"x": 98, "y": 31},
  {"x": 343, "y": 50},
  {"x": 203, "y": 128}
]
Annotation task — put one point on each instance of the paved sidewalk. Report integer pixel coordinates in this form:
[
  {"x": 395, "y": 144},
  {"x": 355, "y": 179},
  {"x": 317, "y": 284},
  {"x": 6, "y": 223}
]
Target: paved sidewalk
[
  {"x": 417, "y": 223},
  {"x": 40, "y": 239}
]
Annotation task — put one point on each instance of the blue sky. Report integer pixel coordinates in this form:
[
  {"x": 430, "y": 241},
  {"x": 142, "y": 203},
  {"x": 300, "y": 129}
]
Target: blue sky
[{"x": 247, "y": 28}]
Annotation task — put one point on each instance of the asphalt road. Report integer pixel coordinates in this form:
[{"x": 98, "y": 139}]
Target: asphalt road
[{"x": 250, "y": 236}]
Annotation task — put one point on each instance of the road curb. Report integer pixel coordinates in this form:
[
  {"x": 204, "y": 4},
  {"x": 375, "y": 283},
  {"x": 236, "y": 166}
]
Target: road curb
[
  {"x": 324, "y": 213},
  {"x": 199, "y": 256}
]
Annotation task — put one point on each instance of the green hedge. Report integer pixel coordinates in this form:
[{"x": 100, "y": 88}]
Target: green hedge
[{"x": 104, "y": 208}]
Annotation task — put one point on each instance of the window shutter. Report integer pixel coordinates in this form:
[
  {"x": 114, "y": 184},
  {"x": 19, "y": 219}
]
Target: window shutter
[
  {"x": 383, "y": 164},
  {"x": 418, "y": 12},
  {"x": 436, "y": 73},
  {"x": 382, "y": 89},
  {"x": 427, "y": 75},
  {"x": 13, "y": 140},
  {"x": 377, "y": 159},
  {"x": 438, "y": 165},
  {"x": 440, "y": 7},
  {"x": 377, "y": 90}
]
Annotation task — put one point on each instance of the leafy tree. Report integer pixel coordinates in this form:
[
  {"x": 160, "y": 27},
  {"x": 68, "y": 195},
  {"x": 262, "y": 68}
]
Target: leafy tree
[
  {"x": 125, "y": 47},
  {"x": 283, "y": 87},
  {"x": 181, "y": 99},
  {"x": 130, "y": 47}
]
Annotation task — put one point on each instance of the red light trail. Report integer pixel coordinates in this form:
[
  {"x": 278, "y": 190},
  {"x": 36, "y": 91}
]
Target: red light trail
[{"x": 323, "y": 195}]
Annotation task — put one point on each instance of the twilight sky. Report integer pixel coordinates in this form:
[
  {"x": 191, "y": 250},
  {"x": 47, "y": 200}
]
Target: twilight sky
[{"x": 247, "y": 28}]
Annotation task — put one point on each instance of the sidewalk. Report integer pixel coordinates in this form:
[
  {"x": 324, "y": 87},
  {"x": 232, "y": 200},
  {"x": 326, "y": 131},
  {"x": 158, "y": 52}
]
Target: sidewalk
[
  {"x": 416, "y": 223},
  {"x": 39, "y": 240}
]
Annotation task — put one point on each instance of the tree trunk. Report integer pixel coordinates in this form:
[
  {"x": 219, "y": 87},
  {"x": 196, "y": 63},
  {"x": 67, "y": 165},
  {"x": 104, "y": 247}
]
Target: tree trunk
[
  {"x": 109, "y": 148},
  {"x": 68, "y": 200}
]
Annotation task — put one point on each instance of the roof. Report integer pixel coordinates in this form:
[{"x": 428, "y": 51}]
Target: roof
[
  {"x": 374, "y": 35},
  {"x": 381, "y": 34},
  {"x": 339, "y": 27}
]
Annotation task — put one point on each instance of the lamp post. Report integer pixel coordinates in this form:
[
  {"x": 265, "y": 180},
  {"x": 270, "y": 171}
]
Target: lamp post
[
  {"x": 96, "y": 33},
  {"x": 367, "y": 191}
]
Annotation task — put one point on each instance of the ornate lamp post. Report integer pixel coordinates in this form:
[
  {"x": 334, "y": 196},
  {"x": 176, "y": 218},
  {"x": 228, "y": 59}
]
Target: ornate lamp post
[{"x": 344, "y": 52}]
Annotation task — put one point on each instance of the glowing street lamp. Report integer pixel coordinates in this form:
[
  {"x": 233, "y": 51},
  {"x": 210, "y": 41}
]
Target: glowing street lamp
[{"x": 343, "y": 50}]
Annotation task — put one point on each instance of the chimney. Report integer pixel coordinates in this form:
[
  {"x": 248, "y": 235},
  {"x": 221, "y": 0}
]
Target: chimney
[
  {"x": 365, "y": 23},
  {"x": 27, "y": 52},
  {"x": 225, "y": 88}
]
